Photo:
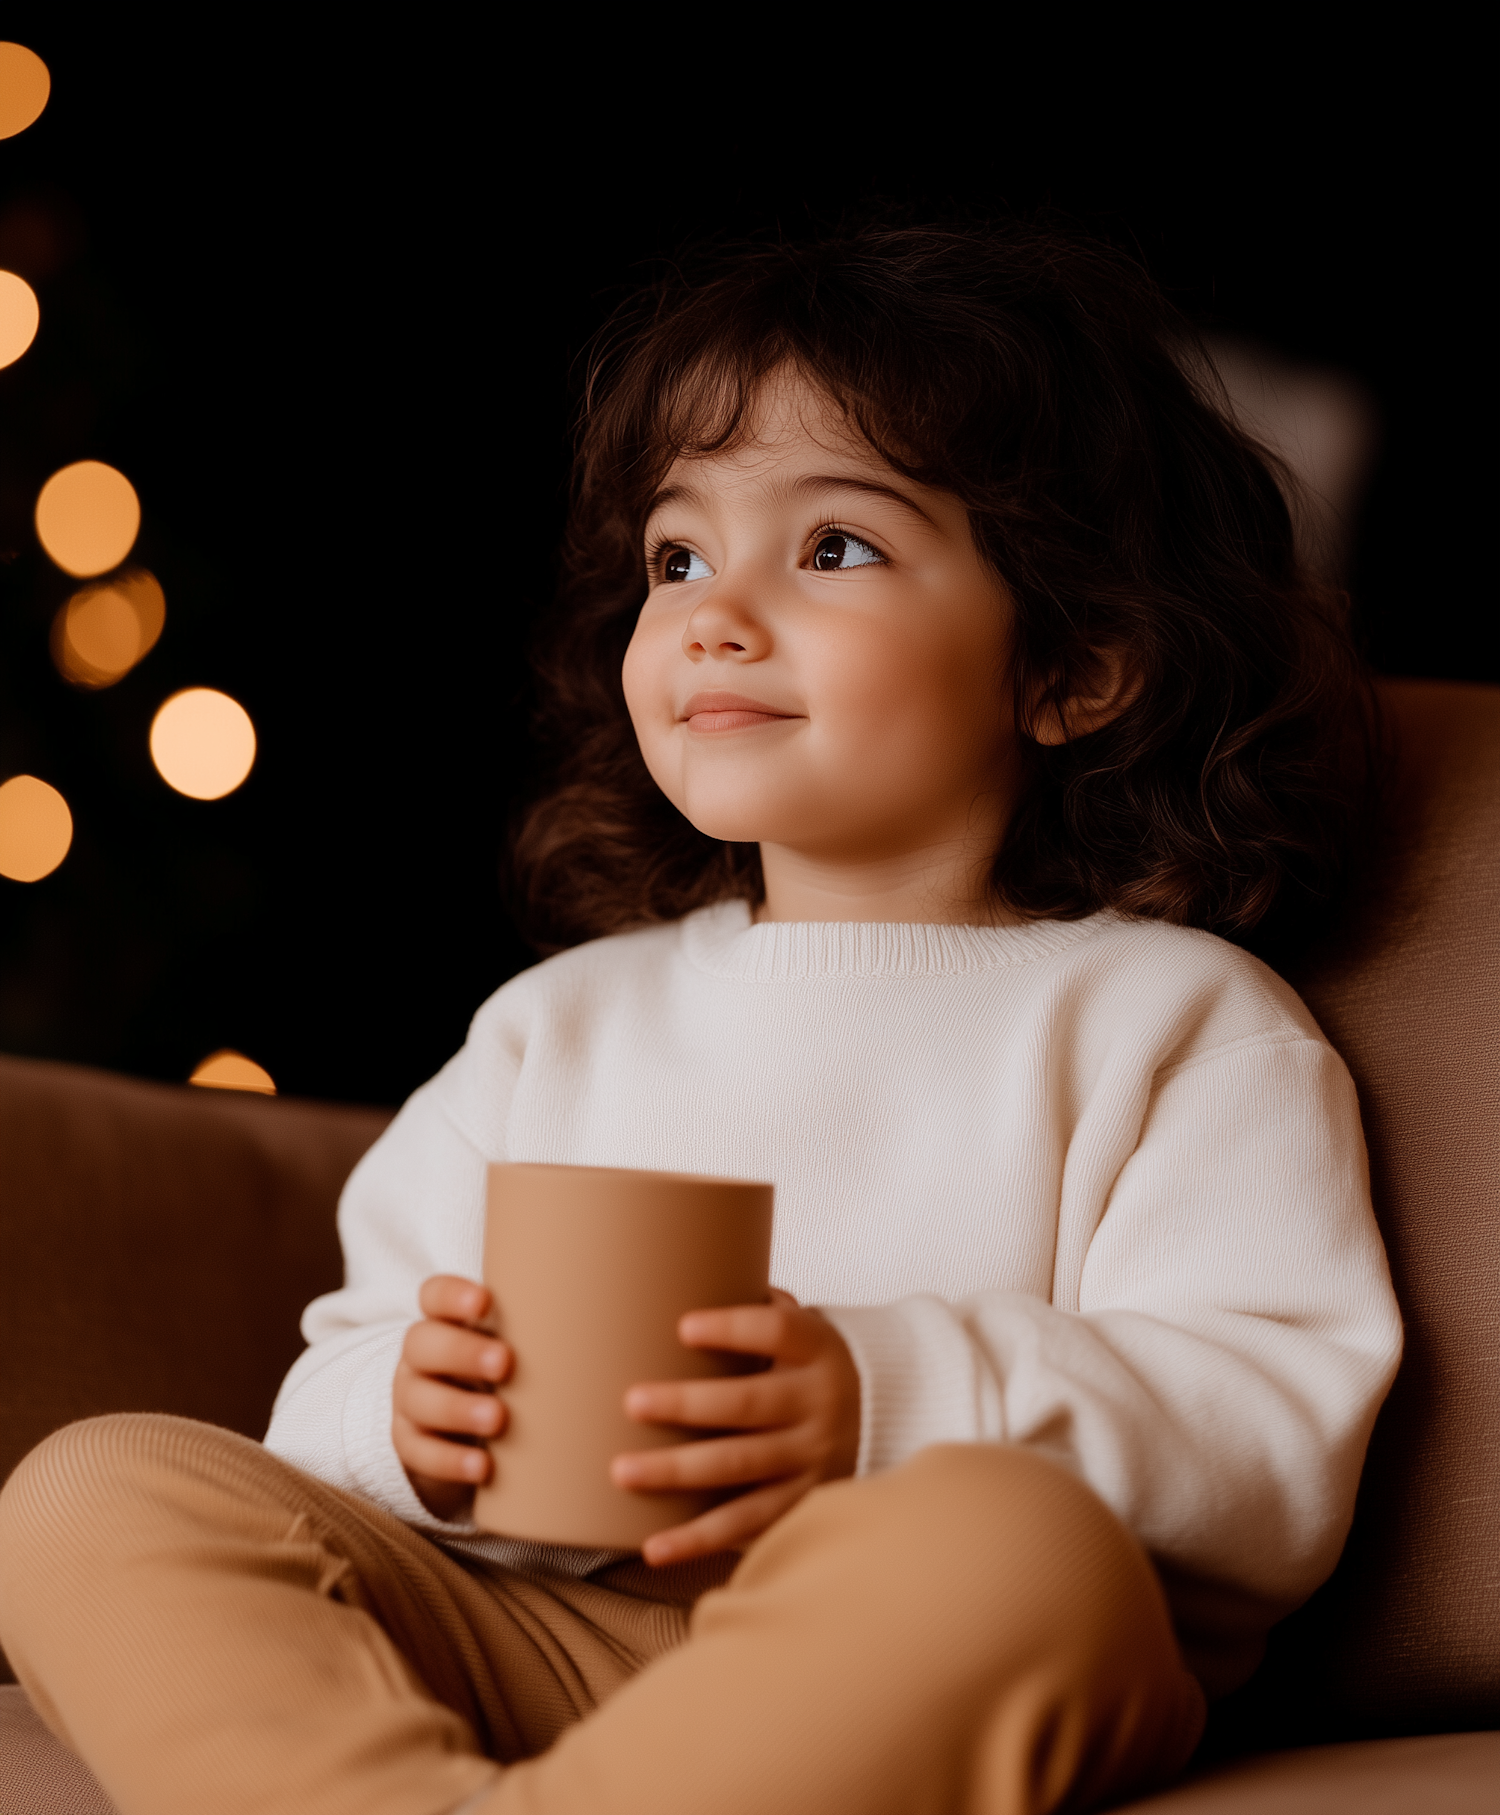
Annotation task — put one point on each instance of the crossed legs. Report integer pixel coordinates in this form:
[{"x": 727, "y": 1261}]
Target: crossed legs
[{"x": 210, "y": 1627}]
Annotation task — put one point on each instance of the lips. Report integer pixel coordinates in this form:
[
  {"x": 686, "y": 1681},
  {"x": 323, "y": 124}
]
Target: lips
[{"x": 731, "y": 712}]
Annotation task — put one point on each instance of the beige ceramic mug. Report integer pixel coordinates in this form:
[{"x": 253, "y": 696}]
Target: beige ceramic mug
[{"x": 591, "y": 1268}]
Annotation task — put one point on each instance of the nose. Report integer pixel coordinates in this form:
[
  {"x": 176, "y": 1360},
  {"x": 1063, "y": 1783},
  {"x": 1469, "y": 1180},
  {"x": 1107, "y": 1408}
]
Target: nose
[{"x": 724, "y": 629}]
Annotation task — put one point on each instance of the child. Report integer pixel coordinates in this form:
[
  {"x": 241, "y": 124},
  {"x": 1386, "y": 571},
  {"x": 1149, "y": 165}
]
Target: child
[{"x": 934, "y": 669}]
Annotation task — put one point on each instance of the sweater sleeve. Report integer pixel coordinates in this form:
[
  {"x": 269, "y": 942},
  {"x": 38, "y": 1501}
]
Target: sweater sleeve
[
  {"x": 413, "y": 1206},
  {"x": 1233, "y": 1336}
]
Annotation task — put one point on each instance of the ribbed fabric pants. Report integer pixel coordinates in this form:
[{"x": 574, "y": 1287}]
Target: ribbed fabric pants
[{"x": 212, "y": 1629}]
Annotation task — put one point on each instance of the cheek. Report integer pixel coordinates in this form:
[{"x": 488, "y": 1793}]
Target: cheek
[
  {"x": 645, "y": 674},
  {"x": 900, "y": 700}
]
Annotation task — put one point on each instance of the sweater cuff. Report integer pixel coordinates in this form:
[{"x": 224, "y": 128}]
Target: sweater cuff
[{"x": 918, "y": 1378}]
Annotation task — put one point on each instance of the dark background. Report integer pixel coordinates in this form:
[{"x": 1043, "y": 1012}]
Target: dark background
[{"x": 319, "y": 300}]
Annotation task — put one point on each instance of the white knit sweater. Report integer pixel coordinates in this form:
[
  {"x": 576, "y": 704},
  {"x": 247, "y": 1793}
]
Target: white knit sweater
[{"x": 1098, "y": 1187}]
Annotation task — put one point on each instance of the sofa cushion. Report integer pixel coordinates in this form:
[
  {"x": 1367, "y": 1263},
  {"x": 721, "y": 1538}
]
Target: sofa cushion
[
  {"x": 1445, "y": 1774},
  {"x": 38, "y": 1774},
  {"x": 159, "y": 1246},
  {"x": 1405, "y": 1637}
]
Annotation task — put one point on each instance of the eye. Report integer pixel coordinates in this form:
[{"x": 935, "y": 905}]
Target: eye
[
  {"x": 683, "y": 564},
  {"x": 836, "y": 551}
]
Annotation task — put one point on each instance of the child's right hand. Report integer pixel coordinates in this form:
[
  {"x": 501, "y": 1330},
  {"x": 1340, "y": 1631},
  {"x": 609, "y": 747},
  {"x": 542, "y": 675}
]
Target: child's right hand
[{"x": 443, "y": 1404}]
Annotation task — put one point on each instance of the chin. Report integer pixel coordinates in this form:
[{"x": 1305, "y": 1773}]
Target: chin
[
  {"x": 740, "y": 808},
  {"x": 735, "y": 820},
  {"x": 729, "y": 828}
]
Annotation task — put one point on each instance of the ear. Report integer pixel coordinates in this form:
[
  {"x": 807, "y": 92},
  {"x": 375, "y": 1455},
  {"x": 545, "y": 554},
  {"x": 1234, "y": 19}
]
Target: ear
[{"x": 1111, "y": 684}]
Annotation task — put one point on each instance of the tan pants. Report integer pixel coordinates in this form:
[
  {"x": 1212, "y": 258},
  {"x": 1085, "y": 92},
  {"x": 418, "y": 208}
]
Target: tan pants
[{"x": 213, "y": 1630}]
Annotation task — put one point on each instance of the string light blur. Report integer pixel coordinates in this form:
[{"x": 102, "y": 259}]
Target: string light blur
[
  {"x": 100, "y": 634},
  {"x": 202, "y": 743},
  {"x": 88, "y": 517},
  {"x": 24, "y": 87},
  {"x": 230, "y": 1070},
  {"x": 36, "y": 829},
  {"x": 20, "y": 315}
]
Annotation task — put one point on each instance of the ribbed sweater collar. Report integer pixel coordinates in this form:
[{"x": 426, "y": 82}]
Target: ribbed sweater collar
[{"x": 722, "y": 941}]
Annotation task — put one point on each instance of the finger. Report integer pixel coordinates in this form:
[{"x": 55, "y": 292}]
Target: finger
[
  {"x": 728, "y": 1527},
  {"x": 444, "y": 1348},
  {"x": 786, "y": 1334},
  {"x": 433, "y": 1405},
  {"x": 460, "y": 1300},
  {"x": 741, "y": 1402},
  {"x": 718, "y": 1462},
  {"x": 438, "y": 1457}
]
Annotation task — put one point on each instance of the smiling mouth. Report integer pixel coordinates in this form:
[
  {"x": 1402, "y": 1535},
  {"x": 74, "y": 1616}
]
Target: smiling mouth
[{"x": 730, "y": 712}]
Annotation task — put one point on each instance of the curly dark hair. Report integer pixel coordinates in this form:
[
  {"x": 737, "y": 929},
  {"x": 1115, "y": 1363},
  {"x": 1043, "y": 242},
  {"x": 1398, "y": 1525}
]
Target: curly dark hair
[{"x": 1048, "y": 384}]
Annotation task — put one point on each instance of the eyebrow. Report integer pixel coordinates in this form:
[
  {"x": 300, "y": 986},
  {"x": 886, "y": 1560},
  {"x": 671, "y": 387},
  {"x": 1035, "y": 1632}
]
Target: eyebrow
[
  {"x": 672, "y": 494},
  {"x": 825, "y": 482},
  {"x": 808, "y": 486}
]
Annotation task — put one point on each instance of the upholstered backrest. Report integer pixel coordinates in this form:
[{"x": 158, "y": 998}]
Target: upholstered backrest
[
  {"x": 157, "y": 1245},
  {"x": 1407, "y": 1633}
]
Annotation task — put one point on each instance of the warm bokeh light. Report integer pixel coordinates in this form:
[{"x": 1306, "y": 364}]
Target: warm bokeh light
[
  {"x": 24, "y": 87},
  {"x": 103, "y": 631},
  {"x": 203, "y": 743},
  {"x": 36, "y": 829},
  {"x": 19, "y": 316},
  {"x": 88, "y": 517},
  {"x": 228, "y": 1070}
]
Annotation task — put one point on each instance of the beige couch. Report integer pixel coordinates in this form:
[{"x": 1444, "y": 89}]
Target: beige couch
[{"x": 159, "y": 1243}]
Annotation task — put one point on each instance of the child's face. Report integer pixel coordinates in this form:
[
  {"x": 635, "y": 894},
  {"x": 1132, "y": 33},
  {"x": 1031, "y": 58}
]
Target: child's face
[{"x": 821, "y": 665}]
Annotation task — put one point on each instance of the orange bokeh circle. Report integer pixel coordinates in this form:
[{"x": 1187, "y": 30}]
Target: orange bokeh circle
[{"x": 88, "y": 517}]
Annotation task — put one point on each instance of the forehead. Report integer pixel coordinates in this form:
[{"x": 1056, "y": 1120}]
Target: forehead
[{"x": 790, "y": 426}]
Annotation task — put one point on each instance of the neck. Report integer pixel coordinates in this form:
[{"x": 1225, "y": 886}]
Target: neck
[{"x": 938, "y": 886}]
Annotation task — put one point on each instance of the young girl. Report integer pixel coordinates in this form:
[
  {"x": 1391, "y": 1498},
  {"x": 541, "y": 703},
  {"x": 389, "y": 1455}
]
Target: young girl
[{"x": 934, "y": 675}]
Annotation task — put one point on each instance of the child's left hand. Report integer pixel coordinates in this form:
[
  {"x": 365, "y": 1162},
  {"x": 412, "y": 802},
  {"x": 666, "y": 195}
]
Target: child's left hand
[{"x": 800, "y": 1421}]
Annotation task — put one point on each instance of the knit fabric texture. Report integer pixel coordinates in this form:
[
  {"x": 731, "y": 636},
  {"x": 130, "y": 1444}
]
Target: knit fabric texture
[{"x": 1097, "y": 1187}]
